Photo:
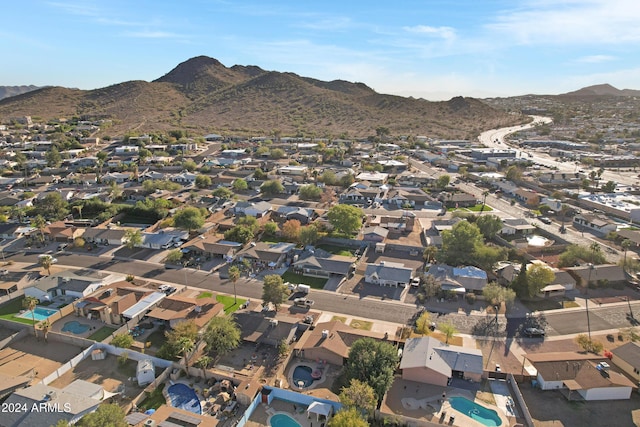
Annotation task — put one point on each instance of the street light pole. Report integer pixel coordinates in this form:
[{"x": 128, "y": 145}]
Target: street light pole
[{"x": 591, "y": 267}]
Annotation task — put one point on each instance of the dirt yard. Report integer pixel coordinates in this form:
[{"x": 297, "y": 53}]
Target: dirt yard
[
  {"x": 30, "y": 357},
  {"x": 106, "y": 373},
  {"x": 550, "y": 408}
]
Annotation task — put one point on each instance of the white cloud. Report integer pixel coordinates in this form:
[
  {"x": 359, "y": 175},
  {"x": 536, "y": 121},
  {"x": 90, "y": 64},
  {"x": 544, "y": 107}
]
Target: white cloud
[
  {"x": 447, "y": 33},
  {"x": 148, "y": 34},
  {"x": 570, "y": 22},
  {"x": 595, "y": 59}
]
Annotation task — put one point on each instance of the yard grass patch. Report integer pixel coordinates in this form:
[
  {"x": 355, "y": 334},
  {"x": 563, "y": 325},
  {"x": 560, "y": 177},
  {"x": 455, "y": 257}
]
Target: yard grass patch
[
  {"x": 364, "y": 325},
  {"x": 314, "y": 282},
  {"x": 478, "y": 208},
  {"x": 102, "y": 333},
  {"x": 154, "y": 399},
  {"x": 542, "y": 304},
  {"x": 205, "y": 294},
  {"x": 570, "y": 304},
  {"x": 228, "y": 302},
  {"x": 335, "y": 250},
  {"x": 340, "y": 319},
  {"x": 11, "y": 309}
]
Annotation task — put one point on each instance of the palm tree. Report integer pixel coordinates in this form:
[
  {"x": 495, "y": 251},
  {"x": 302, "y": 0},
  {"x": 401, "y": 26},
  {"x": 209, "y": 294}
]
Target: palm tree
[
  {"x": 448, "y": 330},
  {"x": 30, "y": 303},
  {"x": 626, "y": 244},
  {"x": 44, "y": 326},
  {"x": 79, "y": 209},
  {"x": 595, "y": 249},
  {"x": 234, "y": 275},
  {"x": 184, "y": 346},
  {"x": 429, "y": 253},
  {"x": 203, "y": 363},
  {"x": 484, "y": 199},
  {"x": 46, "y": 261},
  {"x": 40, "y": 224}
]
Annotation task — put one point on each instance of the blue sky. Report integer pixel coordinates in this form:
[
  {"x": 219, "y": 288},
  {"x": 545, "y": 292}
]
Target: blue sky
[{"x": 434, "y": 49}]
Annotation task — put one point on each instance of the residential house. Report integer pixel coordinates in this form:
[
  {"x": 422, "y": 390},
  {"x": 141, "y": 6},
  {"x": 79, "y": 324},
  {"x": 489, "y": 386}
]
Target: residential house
[
  {"x": 562, "y": 282},
  {"x": 376, "y": 179},
  {"x": 163, "y": 239},
  {"x": 596, "y": 223},
  {"x": 304, "y": 215},
  {"x": 516, "y": 226},
  {"x": 126, "y": 150},
  {"x": 606, "y": 274},
  {"x": 293, "y": 170},
  {"x": 321, "y": 264},
  {"x": 70, "y": 404},
  {"x": 211, "y": 246},
  {"x": 430, "y": 361},
  {"x": 459, "y": 279},
  {"x": 10, "y": 230},
  {"x": 627, "y": 358},
  {"x": 60, "y": 231},
  {"x": 65, "y": 283},
  {"x": 580, "y": 376},
  {"x": 184, "y": 178},
  {"x": 105, "y": 236},
  {"x": 177, "y": 308},
  {"x": 374, "y": 234},
  {"x": 255, "y": 328},
  {"x": 388, "y": 274},
  {"x": 632, "y": 235},
  {"x": 110, "y": 303},
  {"x": 256, "y": 210},
  {"x": 331, "y": 341},
  {"x": 117, "y": 177},
  {"x": 267, "y": 255},
  {"x": 457, "y": 200},
  {"x": 414, "y": 197}
]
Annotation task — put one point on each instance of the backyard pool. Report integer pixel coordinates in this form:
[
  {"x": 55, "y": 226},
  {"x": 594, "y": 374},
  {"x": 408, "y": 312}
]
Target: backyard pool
[
  {"x": 184, "y": 397},
  {"x": 39, "y": 314},
  {"x": 75, "y": 327},
  {"x": 283, "y": 420},
  {"x": 537, "y": 241},
  {"x": 485, "y": 416},
  {"x": 302, "y": 376}
]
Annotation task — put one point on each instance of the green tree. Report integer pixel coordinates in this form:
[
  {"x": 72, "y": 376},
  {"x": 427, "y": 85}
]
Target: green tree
[
  {"x": 538, "y": 276},
  {"x": 575, "y": 253},
  {"x": 171, "y": 348},
  {"x": 107, "y": 414},
  {"x": 277, "y": 153},
  {"x": 328, "y": 177},
  {"x": 348, "y": 418},
  {"x": 347, "y": 180},
  {"x": 132, "y": 238},
  {"x": 39, "y": 224},
  {"x": 588, "y": 344},
  {"x": 250, "y": 222},
  {"x": 222, "y": 335},
  {"x": 240, "y": 185},
  {"x": 123, "y": 340},
  {"x": 308, "y": 235},
  {"x": 372, "y": 362},
  {"x": 239, "y": 233},
  {"x": 189, "y": 165},
  {"x": 609, "y": 187},
  {"x": 459, "y": 243},
  {"x": 184, "y": 345},
  {"x": 423, "y": 323},
  {"x": 188, "y": 219},
  {"x": 359, "y": 395},
  {"x": 52, "y": 207},
  {"x": 174, "y": 256},
  {"x": 234, "y": 275},
  {"x": 44, "y": 326},
  {"x": 259, "y": 174},
  {"x": 443, "y": 181},
  {"x": 274, "y": 291},
  {"x": 626, "y": 244},
  {"x": 429, "y": 253},
  {"x": 520, "y": 285},
  {"x": 46, "y": 261},
  {"x": 270, "y": 228},
  {"x": 53, "y": 158},
  {"x": 272, "y": 187},
  {"x": 496, "y": 294},
  {"x": 345, "y": 219},
  {"x": 310, "y": 192},
  {"x": 203, "y": 181},
  {"x": 486, "y": 256},
  {"x": 29, "y": 303},
  {"x": 222, "y": 192},
  {"x": 489, "y": 225},
  {"x": 448, "y": 330},
  {"x": 514, "y": 174}
]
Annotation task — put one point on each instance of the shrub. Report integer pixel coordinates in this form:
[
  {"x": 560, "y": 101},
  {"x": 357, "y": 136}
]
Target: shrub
[{"x": 471, "y": 298}]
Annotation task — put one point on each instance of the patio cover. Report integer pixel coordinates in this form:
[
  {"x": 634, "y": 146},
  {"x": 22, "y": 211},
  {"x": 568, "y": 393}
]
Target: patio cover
[
  {"x": 143, "y": 305},
  {"x": 320, "y": 408}
]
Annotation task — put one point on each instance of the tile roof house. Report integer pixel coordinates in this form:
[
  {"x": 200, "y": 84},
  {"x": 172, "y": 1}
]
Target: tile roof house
[
  {"x": 455, "y": 278},
  {"x": 212, "y": 246},
  {"x": 257, "y": 329},
  {"x": 177, "y": 308},
  {"x": 627, "y": 358},
  {"x": 430, "y": 361},
  {"x": 331, "y": 341},
  {"x": 598, "y": 274},
  {"x": 304, "y": 215},
  {"x": 256, "y": 210},
  {"x": 108, "y": 236},
  {"x": 271, "y": 255},
  {"x": 320, "y": 264},
  {"x": 580, "y": 376},
  {"x": 596, "y": 223},
  {"x": 388, "y": 274},
  {"x": 110, "y": 303},
  {"x": 512, "y": 226}
]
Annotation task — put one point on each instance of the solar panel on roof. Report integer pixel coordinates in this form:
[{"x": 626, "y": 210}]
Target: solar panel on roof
[{"x": 186, "y": 418}]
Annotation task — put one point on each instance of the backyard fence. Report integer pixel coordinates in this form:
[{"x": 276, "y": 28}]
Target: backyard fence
[{"x": 524, "y": 409}]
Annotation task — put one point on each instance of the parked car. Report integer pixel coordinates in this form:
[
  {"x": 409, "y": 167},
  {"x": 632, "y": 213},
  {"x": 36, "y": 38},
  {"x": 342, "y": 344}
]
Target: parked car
[
  {"x": 415, "y": 282},
  {"x": 303, "y": 302},
  {"x": 545, "y": 219},
  {"x": 534, "y": 332},
  {"x": 4, "y": 272}
]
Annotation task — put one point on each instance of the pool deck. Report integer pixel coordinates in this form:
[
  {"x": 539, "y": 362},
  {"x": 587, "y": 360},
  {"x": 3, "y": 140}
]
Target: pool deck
[
  {"x": 314, "y": 366},
  {"x": 461, "y": 419},
  {"x": 93, "y": 324},
  {"x": 262, "y": 413}
]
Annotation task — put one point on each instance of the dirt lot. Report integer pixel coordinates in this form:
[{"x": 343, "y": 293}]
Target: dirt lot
[
  {"x": 550, "y": 408},
  {"x": 31, "y": 357},
  {"x": 106, "y": 373}
]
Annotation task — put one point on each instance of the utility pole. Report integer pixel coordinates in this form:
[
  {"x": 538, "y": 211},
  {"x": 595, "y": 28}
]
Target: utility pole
[{"x": 591, "y": 267}]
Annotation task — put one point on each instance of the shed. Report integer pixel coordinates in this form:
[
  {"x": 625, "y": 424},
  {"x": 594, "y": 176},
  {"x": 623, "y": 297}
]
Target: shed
[{"x": 145, "y": 372}]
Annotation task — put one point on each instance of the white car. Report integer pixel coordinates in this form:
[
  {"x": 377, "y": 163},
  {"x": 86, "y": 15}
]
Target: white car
[{"x": 415, "y": 282}]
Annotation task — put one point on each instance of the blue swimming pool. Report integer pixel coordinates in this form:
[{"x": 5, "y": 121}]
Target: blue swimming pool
[
  {"x": 283, "y": 420},
  {"x": 39, "y": 313},
  {"x": 302, "y": 374},
  {"x": 184, "y": 397},
  {"x": 75, "y": 327},
  {"x": 485, "y": 416}
]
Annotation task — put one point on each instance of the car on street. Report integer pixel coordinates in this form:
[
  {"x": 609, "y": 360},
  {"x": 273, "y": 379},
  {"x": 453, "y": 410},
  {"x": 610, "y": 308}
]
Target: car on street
[
  {"x": 545, "y": 219},
  {"x": 533, "y": 332}
]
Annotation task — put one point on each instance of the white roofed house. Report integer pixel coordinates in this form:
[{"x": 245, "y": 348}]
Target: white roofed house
[
  {"x": 256, "y": 210},
  {"x": 388, "y": 274},
  {"x": 64, "y": 283},
  {"x": 430, "y": 361},
  {"x": 321, "y": 264},
  {"x": 513, "y": 226},
  {"x": 184, "y": 178},
  {"x": 598, "y": 224},
  {"x": 459, "y": 279}
]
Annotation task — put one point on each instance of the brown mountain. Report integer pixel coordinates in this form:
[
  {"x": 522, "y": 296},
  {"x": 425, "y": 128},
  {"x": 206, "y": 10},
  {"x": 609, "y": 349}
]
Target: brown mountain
[
  {"x": 601, "y": 90},
  {"x": 8, "y": 91},
  {"x": 203, "y": 95}
]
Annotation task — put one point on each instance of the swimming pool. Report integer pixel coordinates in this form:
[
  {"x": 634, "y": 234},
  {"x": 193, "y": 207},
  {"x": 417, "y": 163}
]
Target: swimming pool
[
  {"x": 302, "y": 375},
  {"x": 485, "y": 416},
  {"x": 283, "y": 420},
  {"x": 75, "y": 327},
  {"x": 39, "y": 314},
  {"x": 184, "y": 397}
]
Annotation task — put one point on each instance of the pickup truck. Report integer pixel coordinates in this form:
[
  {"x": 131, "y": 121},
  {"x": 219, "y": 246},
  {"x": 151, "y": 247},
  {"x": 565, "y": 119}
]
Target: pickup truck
[{"x": 303, "y": 302}]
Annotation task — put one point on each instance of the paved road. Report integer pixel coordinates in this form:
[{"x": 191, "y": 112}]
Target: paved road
[{"x": 570, "y": 322}]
